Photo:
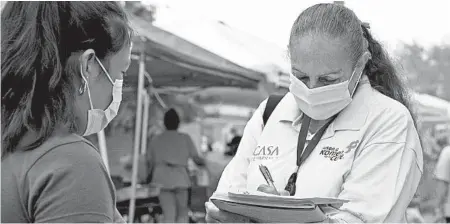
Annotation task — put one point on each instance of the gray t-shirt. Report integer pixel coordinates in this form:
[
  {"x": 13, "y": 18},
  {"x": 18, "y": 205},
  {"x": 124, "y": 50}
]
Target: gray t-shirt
[
  {"x": 169, "y": 152},
  {"x": 64, "y": 181}
]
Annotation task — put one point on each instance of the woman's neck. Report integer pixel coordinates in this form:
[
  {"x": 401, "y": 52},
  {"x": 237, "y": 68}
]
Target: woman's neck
[
  {"x": 315, "y": 125},
  {"x": 30, "y": 137}
]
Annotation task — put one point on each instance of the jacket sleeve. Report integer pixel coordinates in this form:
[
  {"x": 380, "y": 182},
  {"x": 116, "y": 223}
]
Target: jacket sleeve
[{"x": 235, "y": 173}]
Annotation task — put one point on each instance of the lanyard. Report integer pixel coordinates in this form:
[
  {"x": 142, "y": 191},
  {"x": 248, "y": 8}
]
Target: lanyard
[{"x": 302, "y": 156}]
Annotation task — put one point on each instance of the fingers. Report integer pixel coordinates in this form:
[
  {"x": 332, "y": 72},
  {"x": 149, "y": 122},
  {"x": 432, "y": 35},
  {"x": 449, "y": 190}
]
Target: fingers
[
  {"x": 210, "y": 219},
  {"x": 211, "y": 208},
  {"x": 214, "y": 215},
  {"x": 267, "y": 189},
  {"x": 270, "y": 190}
]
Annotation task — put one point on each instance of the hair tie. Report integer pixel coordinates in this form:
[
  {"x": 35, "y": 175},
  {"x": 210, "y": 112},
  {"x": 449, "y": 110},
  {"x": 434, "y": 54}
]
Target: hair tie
[{"x": 365, "y": 25}]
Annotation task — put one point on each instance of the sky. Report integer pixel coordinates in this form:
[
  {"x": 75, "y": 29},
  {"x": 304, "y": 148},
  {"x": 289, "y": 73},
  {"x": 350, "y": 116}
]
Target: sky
[{"x": 392, "y": 21}]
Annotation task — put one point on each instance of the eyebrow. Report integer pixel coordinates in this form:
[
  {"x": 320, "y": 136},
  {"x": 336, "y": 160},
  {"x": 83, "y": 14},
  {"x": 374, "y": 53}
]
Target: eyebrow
[{"x": 326, "y": 73}]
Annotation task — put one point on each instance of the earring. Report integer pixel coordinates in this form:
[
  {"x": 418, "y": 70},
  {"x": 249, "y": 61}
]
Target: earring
[{"x": 82, "y": 88}]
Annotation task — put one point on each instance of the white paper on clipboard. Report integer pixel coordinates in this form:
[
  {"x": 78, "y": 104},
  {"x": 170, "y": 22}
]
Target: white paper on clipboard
[{"x": 262, "y": 207}]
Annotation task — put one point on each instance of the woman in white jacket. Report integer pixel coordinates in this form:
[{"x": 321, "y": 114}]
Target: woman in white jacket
[{"x": 348, "y": 106}]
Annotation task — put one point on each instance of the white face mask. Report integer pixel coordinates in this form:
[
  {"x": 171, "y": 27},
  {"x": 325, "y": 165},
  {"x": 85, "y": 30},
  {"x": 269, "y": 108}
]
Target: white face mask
[
  {"x": 98, "y": 119},
  {"x": 323, "y": 102}
]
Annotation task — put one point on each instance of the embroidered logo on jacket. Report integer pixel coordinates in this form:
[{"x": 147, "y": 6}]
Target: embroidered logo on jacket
[
  {"x": 265, "y": 152},
  {"x": 352, "y": 145},
  {"x": 332, "y": 153}
]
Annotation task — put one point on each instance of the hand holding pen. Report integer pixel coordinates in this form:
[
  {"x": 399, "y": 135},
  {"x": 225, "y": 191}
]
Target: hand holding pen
[
  {"x": 270, "y": 187},
  {"x": 266, "y": 174}
]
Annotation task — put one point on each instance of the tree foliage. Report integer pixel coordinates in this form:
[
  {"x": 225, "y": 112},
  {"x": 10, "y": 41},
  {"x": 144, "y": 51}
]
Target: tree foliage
[{"x": 427, "y": 70}]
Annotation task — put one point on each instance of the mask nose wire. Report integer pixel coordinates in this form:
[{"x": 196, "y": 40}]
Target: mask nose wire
[{"x": 104, "y": 70}]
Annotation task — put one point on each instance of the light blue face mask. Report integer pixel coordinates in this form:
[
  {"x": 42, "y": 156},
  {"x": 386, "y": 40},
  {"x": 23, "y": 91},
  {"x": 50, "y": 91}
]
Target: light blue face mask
[{"x": 98, "y": 119}]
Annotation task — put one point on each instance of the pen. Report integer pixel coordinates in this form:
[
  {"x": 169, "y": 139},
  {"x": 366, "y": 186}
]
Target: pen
[{"x": 266, "y": 174}]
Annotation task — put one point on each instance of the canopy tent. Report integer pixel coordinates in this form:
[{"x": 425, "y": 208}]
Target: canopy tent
[
  {"x": 235, "y": 45},
  {"x": 427, "y": 102},
  {"x": 224, "y": 98},
  {"x": 174, "y": 62},
  {"x": 185, "y": 52},
  {"x": 229, "y": 96},
  {"x": 431, "y": 109},
  {"x": 162, "y": 60}
]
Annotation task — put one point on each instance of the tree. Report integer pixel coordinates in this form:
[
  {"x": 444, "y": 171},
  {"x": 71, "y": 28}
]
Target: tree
[{"x": 427, "y": 70}]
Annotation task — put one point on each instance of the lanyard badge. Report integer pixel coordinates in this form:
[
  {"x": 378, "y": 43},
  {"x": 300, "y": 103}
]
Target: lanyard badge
[{"x": 301, "y": 156}]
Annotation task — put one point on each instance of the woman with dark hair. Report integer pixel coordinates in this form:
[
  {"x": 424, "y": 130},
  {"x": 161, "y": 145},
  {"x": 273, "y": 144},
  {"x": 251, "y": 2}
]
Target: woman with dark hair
[
  {"x": 344, "y": 130},
  {"x": 62, "y": 74},
  {"x": 169, "y": 155}
]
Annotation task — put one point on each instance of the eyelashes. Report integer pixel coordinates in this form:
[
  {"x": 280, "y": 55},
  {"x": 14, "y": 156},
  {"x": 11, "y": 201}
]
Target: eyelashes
[{"x": 325, "y": 80}]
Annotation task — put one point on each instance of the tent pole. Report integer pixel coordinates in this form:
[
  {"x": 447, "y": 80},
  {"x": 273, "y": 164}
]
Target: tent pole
[
  {"x": 145, "y": 122},
  {"x": 137, "y": 134},
  {"x": 103, "y": 148}
]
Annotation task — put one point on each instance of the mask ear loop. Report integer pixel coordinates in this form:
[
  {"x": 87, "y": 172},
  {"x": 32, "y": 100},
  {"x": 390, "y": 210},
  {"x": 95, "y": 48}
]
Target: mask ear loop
[
  {"x": 86, "y": 86},
  {"x": 104, "y": 70},
  {"x": 82, "y": 88},
  {"x": 360, "y": 75}
]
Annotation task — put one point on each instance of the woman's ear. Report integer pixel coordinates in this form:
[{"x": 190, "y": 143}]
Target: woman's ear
[
  {"x": 359, "y": 68},
  {"x": 366, "y": 57},
  {"x": 362, "y": 61},
  {"x": 88, "y": 68}
]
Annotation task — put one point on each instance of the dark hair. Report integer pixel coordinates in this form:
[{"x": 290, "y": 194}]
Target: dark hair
[
  {"x": 338, "y": 22},
  {"x": 171, "y": 119},
  {"x": 40, "y": 49},
  {"x": 442, "y": 141}
]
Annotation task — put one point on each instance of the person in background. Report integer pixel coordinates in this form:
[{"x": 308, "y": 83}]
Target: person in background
[
  {"x": 442, "y": 175},
  {"x": 348, "y": 109},
  {"x": 206, "y": 144},
  {"x": 168, "y": 154},
  {"x": 216, "y": 160},
  {"x": 234, "y": 143},
  {"x": 427, "y": 190},
  {"x": 62, "y": 73},
  {"x": 413, "y": 214}
]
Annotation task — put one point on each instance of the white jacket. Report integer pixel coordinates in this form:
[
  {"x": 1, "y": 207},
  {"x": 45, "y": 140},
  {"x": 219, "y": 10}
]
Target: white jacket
[{"x": 370, "y": 155}]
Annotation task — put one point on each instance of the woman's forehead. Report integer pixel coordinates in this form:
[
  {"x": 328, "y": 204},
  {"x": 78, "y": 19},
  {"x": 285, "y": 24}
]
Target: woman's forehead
[{"x": 318, "y": 54}]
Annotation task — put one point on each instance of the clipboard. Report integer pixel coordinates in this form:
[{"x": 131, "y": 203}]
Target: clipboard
[{"x": 262, "y": 207}]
